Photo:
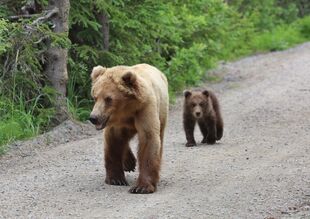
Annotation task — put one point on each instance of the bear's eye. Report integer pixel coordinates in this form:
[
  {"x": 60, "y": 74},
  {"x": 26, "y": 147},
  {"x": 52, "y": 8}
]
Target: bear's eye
[
  {"x": 108, "y": 100},
  {"x": 201, "y": 104},
  {"x": 194, "y": 104},
  {"x": 95, "y": 98}
]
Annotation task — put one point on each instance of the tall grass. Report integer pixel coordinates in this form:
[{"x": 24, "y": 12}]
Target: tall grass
[
  {"x": 21, "y": 118},
  {"x": 78, "y": 108},
  {"x": 17, "y": 122}
]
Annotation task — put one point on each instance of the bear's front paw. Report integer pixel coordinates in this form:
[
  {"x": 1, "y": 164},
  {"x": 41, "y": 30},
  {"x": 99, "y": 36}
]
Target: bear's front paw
[
  {"x": 210, "y": 141},
  {"x": 116, "y": 181},
  {"x": 204, "y": 140},
  {"x": 142, "y": 189},
  {"x": 190, "y": 144}
]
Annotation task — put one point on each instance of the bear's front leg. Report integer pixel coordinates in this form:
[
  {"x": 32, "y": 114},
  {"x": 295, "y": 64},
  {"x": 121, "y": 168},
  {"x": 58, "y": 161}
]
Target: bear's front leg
[
  {"x": 211, "y": 131},
  {"x": 149, "y": 153},
  {"x": 149, "y": 166},
  {"x": 189, "y": 126},
  {"x": 204, "y": 129},
  {"x": 115, "y": 147}
]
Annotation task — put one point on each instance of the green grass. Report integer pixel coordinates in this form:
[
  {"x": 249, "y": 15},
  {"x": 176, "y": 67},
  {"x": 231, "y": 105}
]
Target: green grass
[
  {"x": 16, "y": 123},
  {"x": 21, "y": 120},
  {"x": 282, "y": 37}
]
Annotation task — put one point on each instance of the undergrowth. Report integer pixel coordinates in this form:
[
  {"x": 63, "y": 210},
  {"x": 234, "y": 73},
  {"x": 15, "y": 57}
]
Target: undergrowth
[{"x": 183, "y": 39}]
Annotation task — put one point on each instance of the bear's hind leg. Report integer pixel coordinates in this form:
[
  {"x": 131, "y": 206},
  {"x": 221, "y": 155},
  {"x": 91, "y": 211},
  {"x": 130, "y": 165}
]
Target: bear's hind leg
[
  {"x": 162, "y": 133},
  {"x": 129, "y": 161},
  {"x": 116, "y": 143},
  {"x": 219, "y": 127}
]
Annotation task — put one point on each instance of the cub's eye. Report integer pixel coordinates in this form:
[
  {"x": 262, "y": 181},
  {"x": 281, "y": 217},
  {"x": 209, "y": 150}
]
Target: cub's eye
[
  {"x": 95, "y": 98},
  {"x": 201, "y": 104},
  {"x": 194, "y": 104},
  {"x": 108, "y": 100}
]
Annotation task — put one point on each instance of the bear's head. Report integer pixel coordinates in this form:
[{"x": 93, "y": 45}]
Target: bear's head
[
  {"x": 113, "y": 91},
  {"x": 197, "y": 102}
]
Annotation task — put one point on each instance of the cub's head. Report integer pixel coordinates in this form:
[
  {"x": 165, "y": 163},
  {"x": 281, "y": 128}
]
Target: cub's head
[
  {"x": 197, "y": 102},
  {"x": 108, "y": 93}
]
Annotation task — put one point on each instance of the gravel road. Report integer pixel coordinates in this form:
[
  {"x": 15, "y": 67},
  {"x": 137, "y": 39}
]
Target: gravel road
[{"x": 260, "y": 168}]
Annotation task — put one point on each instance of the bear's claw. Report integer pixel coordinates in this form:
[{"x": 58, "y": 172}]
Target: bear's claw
[
  {"x": 117, "y": 182},
  {"x": 130, "y": 165},
  {"x": 142, "y": 189},
  {"x": 190, "y": 144}
]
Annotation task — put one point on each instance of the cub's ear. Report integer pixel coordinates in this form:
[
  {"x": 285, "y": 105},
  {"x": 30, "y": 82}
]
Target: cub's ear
[
  {"x": 129, "y": 79},
  {"x": 206, "y": 93},
  {"x": 96, "y": 72},
  {"x": 187, "y": 93}
]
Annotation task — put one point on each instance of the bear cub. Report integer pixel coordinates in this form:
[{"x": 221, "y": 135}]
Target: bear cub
[{"x": 202, "y": 106}]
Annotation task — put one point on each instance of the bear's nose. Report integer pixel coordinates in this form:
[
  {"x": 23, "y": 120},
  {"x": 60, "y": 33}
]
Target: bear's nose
[
  {"x": 197, "y": 113},
  {"x": 93, "y": 119}
]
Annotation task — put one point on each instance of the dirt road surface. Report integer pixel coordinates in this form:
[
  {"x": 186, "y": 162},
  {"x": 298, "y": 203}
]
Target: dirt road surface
[{"x": 260, "y": 169}]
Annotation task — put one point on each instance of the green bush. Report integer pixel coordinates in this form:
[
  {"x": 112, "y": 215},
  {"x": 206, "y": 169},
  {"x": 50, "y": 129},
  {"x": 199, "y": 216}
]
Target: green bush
[
  {"x": 182, "y": 38},
  {"x": 303, "y": 26},
  {"x": 282, "y": 37}
]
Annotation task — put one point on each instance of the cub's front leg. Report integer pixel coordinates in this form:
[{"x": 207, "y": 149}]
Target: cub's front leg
[
  {"x": 211, "y": 126},
  {"x": 189, "y": 126}
]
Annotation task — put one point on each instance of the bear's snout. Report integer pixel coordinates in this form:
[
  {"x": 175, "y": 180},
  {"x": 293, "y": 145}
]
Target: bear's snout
[
  {"x": 98, "y": 121},
  {"x": 197, "y": 113},
  {"x": 94, "y": 119}
]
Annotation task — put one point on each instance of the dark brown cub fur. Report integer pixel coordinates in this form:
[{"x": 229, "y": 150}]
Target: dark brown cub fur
[{"x": 202, "y": 107}]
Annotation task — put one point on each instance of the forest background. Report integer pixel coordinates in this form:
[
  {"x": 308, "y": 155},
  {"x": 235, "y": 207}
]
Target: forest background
[{"x": 183, "y": 38}]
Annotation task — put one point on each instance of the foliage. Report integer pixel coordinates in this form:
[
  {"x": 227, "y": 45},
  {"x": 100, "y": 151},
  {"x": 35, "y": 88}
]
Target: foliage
[
  {"x": 282, "y": 37},
  {"x": 178, "y": 37},
  {"x": 25, "y": 95},
  {"x": 183, "y": 38},
  {"x": 21, "y": 119},
  {"x": 266, "y": 14},
  {"x": 279, "y": 38}
]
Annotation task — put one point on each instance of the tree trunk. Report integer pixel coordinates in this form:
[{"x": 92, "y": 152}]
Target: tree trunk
[
  {"x": 104, "y": 21},
  {"x": 56, "y": 68}
]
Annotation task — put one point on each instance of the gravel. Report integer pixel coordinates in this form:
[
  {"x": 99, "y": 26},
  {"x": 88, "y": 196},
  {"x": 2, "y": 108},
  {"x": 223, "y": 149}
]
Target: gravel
[{"x": 260, "y": 168}]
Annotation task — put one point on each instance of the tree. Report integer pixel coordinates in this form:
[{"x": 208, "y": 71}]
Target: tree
[{"x": 56, "y": 66}]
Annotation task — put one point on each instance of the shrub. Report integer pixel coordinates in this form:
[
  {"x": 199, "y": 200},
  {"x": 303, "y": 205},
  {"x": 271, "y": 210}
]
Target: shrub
[{"x": 182, "y": 38}]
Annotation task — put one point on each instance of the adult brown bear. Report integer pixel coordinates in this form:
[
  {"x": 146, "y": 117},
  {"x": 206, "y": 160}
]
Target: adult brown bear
[{"x": 131, "y": 100}]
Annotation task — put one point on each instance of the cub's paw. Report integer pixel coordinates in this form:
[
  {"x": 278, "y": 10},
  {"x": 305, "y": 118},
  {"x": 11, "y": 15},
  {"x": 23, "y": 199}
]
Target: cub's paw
[
  {"x": 116, "y": 181},
  {"x": 190, "y": 144},
  {"x": 211, "y": 141},
  {"x": 204, "y": 140},
  {"x": 142, "y": 189}
]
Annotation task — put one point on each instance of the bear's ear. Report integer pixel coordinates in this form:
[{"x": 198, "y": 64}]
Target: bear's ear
[
  {"x": 129, "y": 79},
  {"x": 96, "y": 72},
  {"x": 206, "y": 93},
  {"x": 187, "y": 93}
]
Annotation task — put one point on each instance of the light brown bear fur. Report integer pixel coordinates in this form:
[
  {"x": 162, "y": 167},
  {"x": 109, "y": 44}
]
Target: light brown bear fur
[{"x": 131, "y": 100}]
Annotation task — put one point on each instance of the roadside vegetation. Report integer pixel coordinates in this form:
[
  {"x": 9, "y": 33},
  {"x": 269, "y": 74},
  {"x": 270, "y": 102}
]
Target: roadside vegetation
[{"x": 182, "y": 38}]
